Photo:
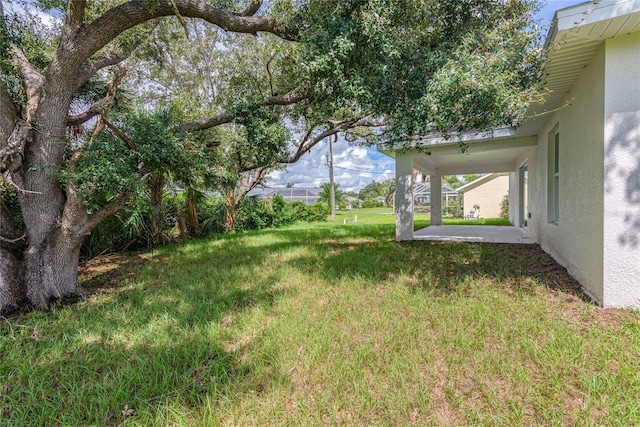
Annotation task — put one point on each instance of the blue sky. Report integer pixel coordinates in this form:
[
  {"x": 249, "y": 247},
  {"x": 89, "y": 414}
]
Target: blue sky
[{"x": 355, "y": 167}]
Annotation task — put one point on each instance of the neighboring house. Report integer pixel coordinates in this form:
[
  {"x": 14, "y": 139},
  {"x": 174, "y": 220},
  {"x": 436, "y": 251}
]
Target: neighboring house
[
  {"x": 308, "y": 196},
  {"x": 482, "y": 197},
  {"x": 574, "y": 161},
  {"x": 422, "y": 193},
  {"x": 352, "y": 202}
]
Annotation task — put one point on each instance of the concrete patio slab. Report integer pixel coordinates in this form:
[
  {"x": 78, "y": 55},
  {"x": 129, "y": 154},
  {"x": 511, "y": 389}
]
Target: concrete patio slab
[{"x": 473, "y": 233}]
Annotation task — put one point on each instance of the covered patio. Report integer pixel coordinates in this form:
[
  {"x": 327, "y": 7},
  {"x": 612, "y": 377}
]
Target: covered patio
[
  {"x": 501, "y": 150},
  {"x": 473, "y": 233}
]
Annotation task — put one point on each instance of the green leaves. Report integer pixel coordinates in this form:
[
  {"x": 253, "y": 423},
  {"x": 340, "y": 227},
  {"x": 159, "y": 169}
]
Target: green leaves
[
  {"x": 266, "y": 137},
  {"x": 107, "y": 166},
  {"x": 427, "y": 65}
]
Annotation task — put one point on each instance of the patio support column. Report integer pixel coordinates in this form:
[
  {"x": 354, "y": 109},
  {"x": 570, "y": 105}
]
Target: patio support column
[
  {"x": 436, "y": 199},
  {"x": 403, "y": 205},
  {"x": 515, "y": 216}
]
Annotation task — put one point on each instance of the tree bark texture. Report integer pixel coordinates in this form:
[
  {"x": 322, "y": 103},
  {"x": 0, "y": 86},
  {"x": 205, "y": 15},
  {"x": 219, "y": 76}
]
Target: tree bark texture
[{"x": 230, "y": 211}]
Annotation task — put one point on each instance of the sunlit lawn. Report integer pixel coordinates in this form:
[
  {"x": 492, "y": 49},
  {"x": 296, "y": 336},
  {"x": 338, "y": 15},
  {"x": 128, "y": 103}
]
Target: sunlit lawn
[
  {"x": 326, "y": 324},
  {"x": 386, "y": 216}
]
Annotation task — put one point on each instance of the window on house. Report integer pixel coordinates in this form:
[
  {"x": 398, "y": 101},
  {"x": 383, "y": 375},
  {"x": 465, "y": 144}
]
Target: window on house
[{"x": 554, "y": 178}]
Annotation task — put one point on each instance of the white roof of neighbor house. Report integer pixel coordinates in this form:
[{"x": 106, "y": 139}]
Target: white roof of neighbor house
[
  {"x": 297, "y": 192},
  {"x": 478, "y": 182},
  {"x": 425, "y": 188}
]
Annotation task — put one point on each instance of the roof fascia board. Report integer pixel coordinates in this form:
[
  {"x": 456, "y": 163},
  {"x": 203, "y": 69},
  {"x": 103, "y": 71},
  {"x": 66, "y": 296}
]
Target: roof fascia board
[{"x": 592, "y": 12}]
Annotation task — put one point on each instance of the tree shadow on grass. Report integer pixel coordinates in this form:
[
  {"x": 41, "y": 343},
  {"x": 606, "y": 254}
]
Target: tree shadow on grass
[
  {"x": 374, "y": 257},
  {"x": 443, "y": 267},
  {"x": 141, "y": 347},
  {"x": 103, "y": 383}
]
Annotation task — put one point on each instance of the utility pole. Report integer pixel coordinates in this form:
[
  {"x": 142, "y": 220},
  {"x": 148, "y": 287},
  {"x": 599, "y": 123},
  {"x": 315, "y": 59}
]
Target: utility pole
[{"x": 331, "y": 183}]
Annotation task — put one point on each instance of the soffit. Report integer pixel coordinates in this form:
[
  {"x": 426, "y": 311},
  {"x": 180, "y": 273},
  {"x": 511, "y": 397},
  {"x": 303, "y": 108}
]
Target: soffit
[{"x": 574, "y": 38}]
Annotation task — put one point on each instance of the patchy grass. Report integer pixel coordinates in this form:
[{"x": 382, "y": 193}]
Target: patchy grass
[{"x": 328, "y": 324}]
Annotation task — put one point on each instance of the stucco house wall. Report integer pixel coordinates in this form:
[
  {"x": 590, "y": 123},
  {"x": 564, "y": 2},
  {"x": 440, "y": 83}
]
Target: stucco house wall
[
  {"x": 621, "y": 190},
  {"x": 575, "y": 240},
  {"x": 487, "y": 195}
]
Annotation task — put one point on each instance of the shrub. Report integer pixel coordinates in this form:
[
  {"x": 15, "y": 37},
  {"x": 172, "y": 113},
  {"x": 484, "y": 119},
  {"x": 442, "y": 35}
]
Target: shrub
[
  {"x": 309, "y": 213},
  {"x": 372, "y": 203},
  {"x": 504, "y": 207},
  {"x": 453, "y": 208}
]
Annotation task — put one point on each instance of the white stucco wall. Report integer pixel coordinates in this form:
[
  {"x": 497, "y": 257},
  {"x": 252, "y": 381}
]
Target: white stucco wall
[
  {"x": 621, "y": 190},
  {"x": 488, "y": 195},
  {"x": 575, "y": 241}
]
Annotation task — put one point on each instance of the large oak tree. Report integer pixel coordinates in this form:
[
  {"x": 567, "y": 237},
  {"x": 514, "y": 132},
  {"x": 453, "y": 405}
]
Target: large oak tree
[{"x": 418, "y": 65}]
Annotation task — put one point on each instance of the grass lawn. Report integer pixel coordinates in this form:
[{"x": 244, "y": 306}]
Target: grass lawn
[
  {"x": 325, "y": 324},
  {"x": 386, "y": 216}
]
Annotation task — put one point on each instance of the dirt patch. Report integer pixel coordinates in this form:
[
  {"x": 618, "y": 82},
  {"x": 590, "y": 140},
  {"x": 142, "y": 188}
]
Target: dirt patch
[
  {"x": 107, "y": 272},
  {"x": 537, "y": 263}
]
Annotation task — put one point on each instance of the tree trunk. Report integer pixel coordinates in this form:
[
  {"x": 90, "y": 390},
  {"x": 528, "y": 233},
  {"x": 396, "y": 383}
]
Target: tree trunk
[
  {"x": 156, "y": 200},
  {"x": 12, "y": 290},
  {"x": 51, "y": 270},
  {"x": 192, "y": 217},
  {"x": 230, "y": 211},
  {"x": 181, "y": 225},
  {"x": 47, "y": 270}
]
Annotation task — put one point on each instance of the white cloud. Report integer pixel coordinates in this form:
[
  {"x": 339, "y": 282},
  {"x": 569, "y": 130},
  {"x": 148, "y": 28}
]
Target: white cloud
[{"x": 354, "y": 168}]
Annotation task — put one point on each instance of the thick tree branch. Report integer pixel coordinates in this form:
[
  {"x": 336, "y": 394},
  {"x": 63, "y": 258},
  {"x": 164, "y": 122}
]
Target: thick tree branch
[
  {"x": 226, "y": 117},
  {"x": 76, "y": 221},
  {"x": 307, "y": 145},
  {"x": 207, "y": 123},
  {"x": 32, "y": 78},
  {"x": 93, "y": 37},
  {"x": 309, "y": 141},
  {"x": 249, "y": 179},
  {"x": 74, "y": 18},
  {"x": 119, "y": 134},
  {"x": 116, "y": 205},
  {"x": 99, "y": 106},
  {"x": 95, "y": 109},
  {"x": 93, "y": 66}
]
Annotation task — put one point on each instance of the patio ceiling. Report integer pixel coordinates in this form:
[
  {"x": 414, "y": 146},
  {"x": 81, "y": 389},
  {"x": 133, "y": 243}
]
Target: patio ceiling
[{"x": 479, "y": 157}]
